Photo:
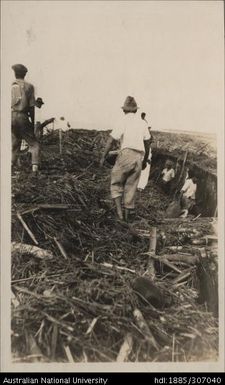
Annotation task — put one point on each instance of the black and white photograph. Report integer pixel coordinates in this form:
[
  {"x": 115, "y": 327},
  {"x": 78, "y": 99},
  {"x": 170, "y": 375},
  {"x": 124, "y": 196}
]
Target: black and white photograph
[{"x": 112, "y": 210}]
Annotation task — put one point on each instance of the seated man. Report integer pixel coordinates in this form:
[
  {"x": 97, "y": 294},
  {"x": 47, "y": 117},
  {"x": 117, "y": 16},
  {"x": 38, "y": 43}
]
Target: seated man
[{"x": 188, "y": 194}]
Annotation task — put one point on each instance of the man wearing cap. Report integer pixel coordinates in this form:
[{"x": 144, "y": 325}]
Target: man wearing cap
[
  {"x": 38, "y": 130},
  {"x": 132, "y": 158},
  {"x": 22, "y": 106}
]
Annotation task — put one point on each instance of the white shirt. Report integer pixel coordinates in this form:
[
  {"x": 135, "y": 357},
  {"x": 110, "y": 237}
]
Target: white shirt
[
  {"x": 143, "y": 181},
  {"x": 147, "y": 125},
  {"x": 132, "y": 131},
  {"x": 189, "y": 188},
  {"x": 61, "y": 124},
  {"x": 168, "y": 174}
]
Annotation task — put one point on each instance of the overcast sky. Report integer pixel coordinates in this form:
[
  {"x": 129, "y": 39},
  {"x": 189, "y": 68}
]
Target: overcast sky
[{"x": 85, "y": 57}]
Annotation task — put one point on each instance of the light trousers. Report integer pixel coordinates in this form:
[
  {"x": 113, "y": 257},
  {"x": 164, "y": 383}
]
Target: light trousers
[{"x": 125, "y": 176}]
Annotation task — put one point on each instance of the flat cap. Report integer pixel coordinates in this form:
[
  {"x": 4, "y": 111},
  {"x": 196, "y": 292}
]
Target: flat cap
[{"x": 19, "y": 68}]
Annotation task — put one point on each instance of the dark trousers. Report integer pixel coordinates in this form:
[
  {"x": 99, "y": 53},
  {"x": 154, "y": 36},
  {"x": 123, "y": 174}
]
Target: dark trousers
[
  {"x": 187, "y": 203},
  {"x": 166, "y": 186},
  {"x": 23, "y": 129},
  {"x": 38, "y": 130}
]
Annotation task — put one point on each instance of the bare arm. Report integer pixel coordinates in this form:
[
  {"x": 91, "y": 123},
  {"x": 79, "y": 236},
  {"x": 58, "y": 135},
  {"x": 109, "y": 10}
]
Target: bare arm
[
  {"x": 107, "y": 149},
  {"x": 32, "y": 115},
  {"x": 31, "y": 104},
  {"x": 46, "y": 122}
]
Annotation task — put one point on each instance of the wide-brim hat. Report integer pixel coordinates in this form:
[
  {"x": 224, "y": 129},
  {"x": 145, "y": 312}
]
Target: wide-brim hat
[
  {"x": 39, "y": 100},
  {"x": 130, "y": 105},
  {"x": 20, "y": 68}
]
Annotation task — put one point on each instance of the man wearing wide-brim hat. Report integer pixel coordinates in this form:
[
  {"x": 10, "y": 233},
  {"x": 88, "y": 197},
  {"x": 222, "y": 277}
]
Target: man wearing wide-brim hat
[
  {"x": 134, "y": 136},
  {"x": 22, "y": 107}
]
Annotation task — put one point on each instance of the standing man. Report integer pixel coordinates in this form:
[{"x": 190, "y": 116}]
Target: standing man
[
  {"x": 146, "y": 172},
  {"x": 132, "y": 158},
  {"x": 143, "y": 117},
  {"x": 39, "y": 126},
  {"x": 22, "y": 123},
  {"x": 143, "y": 181}
]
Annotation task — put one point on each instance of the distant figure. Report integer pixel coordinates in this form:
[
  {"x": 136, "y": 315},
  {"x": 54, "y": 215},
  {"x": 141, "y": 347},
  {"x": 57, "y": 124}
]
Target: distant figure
[
  {"x": 39, "y": 127},
  {"x": 131, "y": 159},
  {"x": 188, "y": 194},
  {"x": 22, "y": 123},
  {"x": 168, "y": 175},
  {"x": 143, "y": 117},
  {"x": 62, "y": 124},
  {"x": 143, "y": 181}
]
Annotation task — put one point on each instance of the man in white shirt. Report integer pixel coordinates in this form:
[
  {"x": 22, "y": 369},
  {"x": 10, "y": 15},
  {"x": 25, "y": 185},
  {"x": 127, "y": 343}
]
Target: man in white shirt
[
  {"x": 188, "y": 193},
  {"x": 143, "y": 117},
  {"x": 168, "y": 174},
  {"x": 134, "y": 137},
  {"x": 61, "y": 124},
  {"x": 143, "y": 181}
]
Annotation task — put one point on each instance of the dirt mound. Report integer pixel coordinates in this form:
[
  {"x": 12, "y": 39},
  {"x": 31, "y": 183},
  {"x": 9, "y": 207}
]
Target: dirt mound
[
  {"x": 77, "y": 302},
  {"x": 201, "y": 148}
]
